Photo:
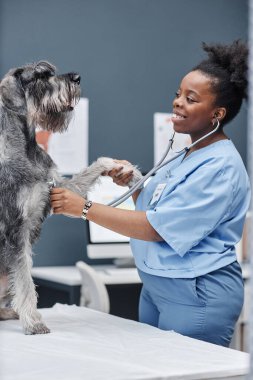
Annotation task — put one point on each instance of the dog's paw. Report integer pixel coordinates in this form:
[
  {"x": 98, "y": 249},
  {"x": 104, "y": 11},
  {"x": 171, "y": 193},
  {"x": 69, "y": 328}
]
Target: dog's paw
[
  {"x": 107, "y": 164},
  {"x": 38, "y": 328}
]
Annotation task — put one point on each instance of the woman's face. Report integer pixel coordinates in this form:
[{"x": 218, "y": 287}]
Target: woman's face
[{"x": 193, "y": 106}]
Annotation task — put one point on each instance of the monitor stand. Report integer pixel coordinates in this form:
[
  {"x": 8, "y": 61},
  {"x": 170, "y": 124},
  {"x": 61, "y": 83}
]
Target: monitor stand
[{"x": 124, "y": 262}]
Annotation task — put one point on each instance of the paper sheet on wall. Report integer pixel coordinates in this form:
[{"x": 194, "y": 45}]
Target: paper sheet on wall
[
  {"x": 69, "y": 150},
  {"x": 163, "y": 130}
]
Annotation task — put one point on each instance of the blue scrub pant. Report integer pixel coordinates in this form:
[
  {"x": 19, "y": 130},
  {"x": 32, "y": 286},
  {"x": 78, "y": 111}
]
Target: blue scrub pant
[{"x": 205, "y": 307}]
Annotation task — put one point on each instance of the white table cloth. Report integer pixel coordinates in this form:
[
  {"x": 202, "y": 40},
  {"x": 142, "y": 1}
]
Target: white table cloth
[{"x": 88, "y": 345}]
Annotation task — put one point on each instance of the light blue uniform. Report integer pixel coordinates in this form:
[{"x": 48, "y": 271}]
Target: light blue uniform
[{"x": 200, "y": 215}]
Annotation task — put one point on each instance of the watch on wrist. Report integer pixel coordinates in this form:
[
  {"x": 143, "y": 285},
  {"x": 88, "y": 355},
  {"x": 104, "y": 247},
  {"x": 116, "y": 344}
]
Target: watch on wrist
[{"x": 86, "y": 208}]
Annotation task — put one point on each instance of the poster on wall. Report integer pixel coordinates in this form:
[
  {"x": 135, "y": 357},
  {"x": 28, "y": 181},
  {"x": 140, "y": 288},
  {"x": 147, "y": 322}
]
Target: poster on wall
[
  {"x": 69, "y": 150},
  {"x": 163, "y": 130}
]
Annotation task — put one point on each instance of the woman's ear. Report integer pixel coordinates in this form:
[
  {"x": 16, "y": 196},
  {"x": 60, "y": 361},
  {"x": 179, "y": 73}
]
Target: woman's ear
[{"x": 220, "y": 113}]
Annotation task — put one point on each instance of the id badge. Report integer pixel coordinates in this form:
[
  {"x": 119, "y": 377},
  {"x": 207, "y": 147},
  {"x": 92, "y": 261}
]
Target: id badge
[{"x": 157, "y": 193}]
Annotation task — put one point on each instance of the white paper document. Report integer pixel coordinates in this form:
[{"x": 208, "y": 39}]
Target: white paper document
[{"x": 69, "y": 150}]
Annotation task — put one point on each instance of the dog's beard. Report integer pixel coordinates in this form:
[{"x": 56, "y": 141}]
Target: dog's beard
[
  {"x": 53, "y": 113},
  {"x": 53, "y": 122},
  {"x": 63, "y": 99}
]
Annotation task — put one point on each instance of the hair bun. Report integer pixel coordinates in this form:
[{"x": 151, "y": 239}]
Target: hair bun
[{"x": 233, "y": 59}]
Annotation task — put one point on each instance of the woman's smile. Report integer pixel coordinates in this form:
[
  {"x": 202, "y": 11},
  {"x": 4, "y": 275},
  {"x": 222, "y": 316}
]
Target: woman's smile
[{"x": 178, "y": 116}]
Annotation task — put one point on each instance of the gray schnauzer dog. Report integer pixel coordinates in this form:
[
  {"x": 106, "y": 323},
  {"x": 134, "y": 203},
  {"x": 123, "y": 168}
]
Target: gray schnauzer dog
[{"x": 32, "y": 96}]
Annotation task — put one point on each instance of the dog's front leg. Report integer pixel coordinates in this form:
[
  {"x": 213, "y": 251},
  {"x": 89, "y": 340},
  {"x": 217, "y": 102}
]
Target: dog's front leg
[
  {"x": 24, "y": 300},
  {"x": 83, "y": 182}
]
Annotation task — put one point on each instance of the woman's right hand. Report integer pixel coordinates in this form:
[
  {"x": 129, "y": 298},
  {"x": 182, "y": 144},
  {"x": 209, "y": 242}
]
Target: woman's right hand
[{"x": 121, "y": 179}]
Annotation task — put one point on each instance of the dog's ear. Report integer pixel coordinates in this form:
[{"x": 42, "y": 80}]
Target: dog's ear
[
  {"x": 43, "y": 68},
  {"x": 12, "y": 93}
]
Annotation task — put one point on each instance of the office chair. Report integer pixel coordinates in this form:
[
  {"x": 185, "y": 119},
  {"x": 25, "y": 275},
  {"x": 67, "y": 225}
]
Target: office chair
[{"x": 94, "y": 294}]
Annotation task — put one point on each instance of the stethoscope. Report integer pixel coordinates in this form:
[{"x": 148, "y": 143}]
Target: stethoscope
[{"x": 160, "y": 164}]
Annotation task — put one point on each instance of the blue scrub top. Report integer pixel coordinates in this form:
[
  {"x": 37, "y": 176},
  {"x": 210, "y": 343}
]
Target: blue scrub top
[{"x": 200, "y": 213}]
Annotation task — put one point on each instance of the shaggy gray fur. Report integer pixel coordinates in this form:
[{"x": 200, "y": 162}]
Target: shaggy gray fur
[{"x": 32, "y": 96}]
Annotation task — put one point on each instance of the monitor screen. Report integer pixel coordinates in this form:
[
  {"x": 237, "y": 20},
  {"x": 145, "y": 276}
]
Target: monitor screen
[
  {"x": 105, "y": 192},
  {"x": 103, "y": 243}
]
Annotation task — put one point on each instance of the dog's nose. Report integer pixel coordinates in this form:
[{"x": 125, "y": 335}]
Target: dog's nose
[{"x": 75, "y": 78}]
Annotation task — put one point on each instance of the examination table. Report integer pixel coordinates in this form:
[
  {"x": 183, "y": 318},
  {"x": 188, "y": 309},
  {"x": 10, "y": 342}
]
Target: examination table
[{"x": 90, "y": 345}]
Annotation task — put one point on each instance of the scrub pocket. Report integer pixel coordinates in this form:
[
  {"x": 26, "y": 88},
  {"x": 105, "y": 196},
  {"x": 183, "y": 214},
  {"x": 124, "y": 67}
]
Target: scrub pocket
[{"x": 199, "y": 288}]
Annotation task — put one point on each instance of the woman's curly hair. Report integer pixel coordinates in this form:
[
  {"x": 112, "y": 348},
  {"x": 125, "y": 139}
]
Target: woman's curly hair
[{"x": 227, "y": 67}]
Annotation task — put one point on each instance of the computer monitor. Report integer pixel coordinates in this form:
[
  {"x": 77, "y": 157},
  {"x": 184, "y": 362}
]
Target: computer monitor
[{"x": 103, "y": 243}]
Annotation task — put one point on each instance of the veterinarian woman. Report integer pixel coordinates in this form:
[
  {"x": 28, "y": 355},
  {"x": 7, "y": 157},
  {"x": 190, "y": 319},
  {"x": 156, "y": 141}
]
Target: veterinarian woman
[{"x": 183, "y": 235}]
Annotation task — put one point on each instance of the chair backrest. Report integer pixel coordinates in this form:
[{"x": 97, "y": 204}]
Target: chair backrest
[{"x": 94, "y": 294}]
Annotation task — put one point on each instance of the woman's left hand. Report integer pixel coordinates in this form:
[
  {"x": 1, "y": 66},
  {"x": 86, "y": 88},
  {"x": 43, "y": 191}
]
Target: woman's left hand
[
  {"x": 64, "y": 201},
  {"x": 121, "y": 179}
]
